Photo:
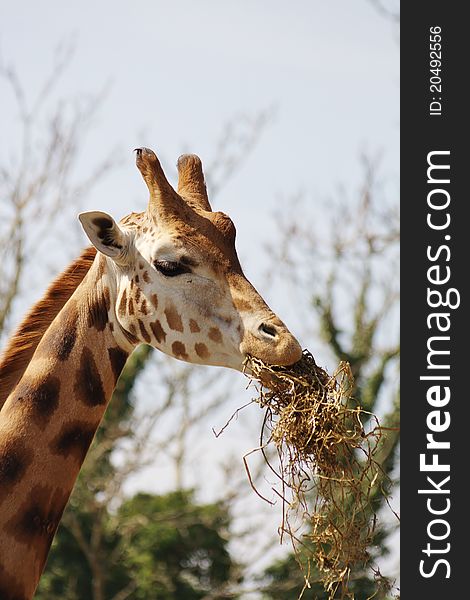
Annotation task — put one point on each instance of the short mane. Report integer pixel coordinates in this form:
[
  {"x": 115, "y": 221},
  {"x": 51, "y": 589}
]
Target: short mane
[{"x": 23, "y": 343}]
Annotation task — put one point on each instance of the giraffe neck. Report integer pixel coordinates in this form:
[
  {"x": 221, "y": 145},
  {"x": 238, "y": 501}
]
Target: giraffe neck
[
  {"x": 48, "y": 423},
  {"x": 23, "y": 343}
]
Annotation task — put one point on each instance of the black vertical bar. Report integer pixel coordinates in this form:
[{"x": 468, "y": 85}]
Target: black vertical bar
[{"x": 435, "y": 271}]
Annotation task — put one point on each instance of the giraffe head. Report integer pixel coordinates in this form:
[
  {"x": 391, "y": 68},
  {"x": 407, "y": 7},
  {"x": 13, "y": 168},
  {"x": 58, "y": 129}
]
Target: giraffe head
[{"x": 176, "y": 281}]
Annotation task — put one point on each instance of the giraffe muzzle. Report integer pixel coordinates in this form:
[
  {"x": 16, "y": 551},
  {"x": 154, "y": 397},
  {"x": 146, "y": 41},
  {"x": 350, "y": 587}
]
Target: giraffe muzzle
[{"x": 273, "y": 343}]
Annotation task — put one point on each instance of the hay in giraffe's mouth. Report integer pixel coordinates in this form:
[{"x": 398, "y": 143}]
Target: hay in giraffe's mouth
[{"x": 326, "y": 468}]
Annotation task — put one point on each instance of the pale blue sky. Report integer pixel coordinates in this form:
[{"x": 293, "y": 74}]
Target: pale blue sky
[{"x": 178, "y": 71}]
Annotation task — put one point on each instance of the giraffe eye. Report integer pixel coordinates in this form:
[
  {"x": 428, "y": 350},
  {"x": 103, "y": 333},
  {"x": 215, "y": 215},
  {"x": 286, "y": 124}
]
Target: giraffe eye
[{"x": 170, "y": 269}]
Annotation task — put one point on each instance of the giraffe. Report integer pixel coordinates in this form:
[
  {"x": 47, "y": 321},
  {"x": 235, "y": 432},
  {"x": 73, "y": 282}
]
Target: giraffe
[{"x": 169, "y": 277}]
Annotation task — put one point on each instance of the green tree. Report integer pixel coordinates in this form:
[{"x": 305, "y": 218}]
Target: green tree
[
  {"x": 155, "y": 547},
  {"x": 175, "y": 548}
]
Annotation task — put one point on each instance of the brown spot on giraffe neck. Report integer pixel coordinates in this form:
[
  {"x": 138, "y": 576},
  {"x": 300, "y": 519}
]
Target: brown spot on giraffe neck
[
  {"x": 179, "y": 350},
  {"x": 143, "y": 307},
  {"x": 193, "y": 326},
  {"x": 144, "y": 332},
  {"x": 123, "y": 303},
  {"x": 173, "y": 318},
  {"x": 215, "y": 335},
  {"x": 15, "y": 458},
  {"x": 146, "y": 277},
  {"x": 88, "y": 384},
  {"x": 117, "y": 358},
  {"x": 201, "y": 350},
  {"x": 36, "y": 520},
  {"x": 64, "y": 339},
  {"x": 130, "y": 307},
  {"x": 10, "y": 587},
  {"x": 74, "y": 440},
  {"x": 98, "y": 313},
  {"x": 158, "y": 331},
  {"x": 40, "y": 397},
  {"x": 154, "y": 300}
]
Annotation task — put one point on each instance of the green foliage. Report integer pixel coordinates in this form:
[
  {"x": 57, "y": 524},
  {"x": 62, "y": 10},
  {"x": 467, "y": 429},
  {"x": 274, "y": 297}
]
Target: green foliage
[
  {"x": 179, "y": 549},
  {"x": 166, "y": 547}
]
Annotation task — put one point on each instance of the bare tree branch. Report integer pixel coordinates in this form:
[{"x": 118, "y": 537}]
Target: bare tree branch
[{"x": 38, "y": 183}]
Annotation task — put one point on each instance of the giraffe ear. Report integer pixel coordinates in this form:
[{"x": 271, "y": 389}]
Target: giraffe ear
[{"x": 104, "y": 233}]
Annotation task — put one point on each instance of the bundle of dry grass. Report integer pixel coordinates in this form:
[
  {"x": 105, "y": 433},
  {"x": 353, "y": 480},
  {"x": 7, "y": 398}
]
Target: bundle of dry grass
[{"x": 326, "y": 467}]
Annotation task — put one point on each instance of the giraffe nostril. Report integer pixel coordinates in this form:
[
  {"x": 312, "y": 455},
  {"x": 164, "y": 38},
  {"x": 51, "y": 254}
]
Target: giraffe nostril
[{"x": 268, "y": 330}]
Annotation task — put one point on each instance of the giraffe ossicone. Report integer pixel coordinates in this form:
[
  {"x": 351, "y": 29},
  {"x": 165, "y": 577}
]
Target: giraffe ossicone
[{"x": 169, "y": 277}]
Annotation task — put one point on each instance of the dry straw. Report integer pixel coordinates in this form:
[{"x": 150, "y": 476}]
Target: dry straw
[{"x": 327, "y": 474}]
